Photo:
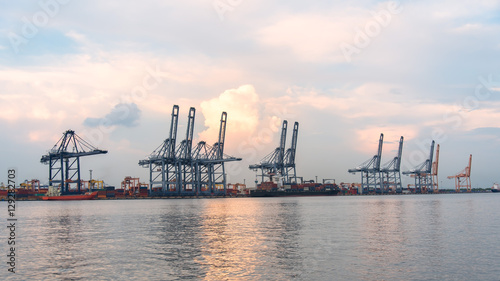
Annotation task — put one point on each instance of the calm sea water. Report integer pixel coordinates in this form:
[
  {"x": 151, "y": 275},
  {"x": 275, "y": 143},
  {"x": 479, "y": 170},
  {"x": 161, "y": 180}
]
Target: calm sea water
[{"x": 409, "y": 237}]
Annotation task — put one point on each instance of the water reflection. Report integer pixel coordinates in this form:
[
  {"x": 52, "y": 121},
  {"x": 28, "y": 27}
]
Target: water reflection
[
  {"x": 218, "y": 239},
  {"x": 175, "y": 241},
  {"x": 399, "y": 233},
  {"x": 425, "y": 237},
  {"x": 382, "y": 238},
  {"x": 66, "y": 243},
  {"x": 249, "y": 238}
]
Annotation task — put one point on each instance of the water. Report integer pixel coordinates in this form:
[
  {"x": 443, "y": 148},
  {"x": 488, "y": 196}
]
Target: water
[{"x": 410, "y": 237}]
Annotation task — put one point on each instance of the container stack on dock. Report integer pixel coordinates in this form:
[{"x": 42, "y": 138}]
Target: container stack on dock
[
  {"x": 119, "y": 193},
  {"x": 3, "y": 194},
  {"x": 101, "y": 193},
  {"x": 143, "y": 191},
  {"x": 110, "y": 192}
]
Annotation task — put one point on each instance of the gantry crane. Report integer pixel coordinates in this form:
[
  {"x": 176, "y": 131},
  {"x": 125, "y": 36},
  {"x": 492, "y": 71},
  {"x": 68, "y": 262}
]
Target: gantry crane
[
  {"x": 273, "y": 164},
  {"x": 209, "y": 162},
  {"x": 391, "y": 171},
  {"x": 371, "y": 178},
  {"x": 423, "y": 173},
  {"x": 280, "y": 163},
  {"x": 162, "y": 162},
  {"x": 185, "y": 170},
  {"x": 462, "y": 179},
  {"x": 64, "y": 161}
]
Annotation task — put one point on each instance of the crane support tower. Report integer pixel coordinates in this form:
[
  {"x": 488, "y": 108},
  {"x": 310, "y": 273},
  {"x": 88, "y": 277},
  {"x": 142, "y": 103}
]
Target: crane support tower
[
  {"x": 462, "y": 179},
  {"x": 423, "y": 174},
  {"x": 184, "y": 170},
  {"x": 391, "y": 172},
  {"x": 185, "y": 167},
  {"x": 371, "y": 177},
  {"x": 280, "y": 164},
  {"x": 64, "y": 161}
]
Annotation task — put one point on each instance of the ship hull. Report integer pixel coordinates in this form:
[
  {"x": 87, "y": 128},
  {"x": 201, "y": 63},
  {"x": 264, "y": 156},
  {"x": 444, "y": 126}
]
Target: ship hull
[{"x": 71, "y": 197}]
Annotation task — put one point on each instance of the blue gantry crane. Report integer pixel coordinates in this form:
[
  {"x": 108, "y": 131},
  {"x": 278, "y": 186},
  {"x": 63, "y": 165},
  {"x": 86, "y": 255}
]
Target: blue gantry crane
[
  {"x": 272, "y": 164},
  {"x": 280, "y": 164},
  {"x": 209, "y": 163},
  {"x": 64, "y": 161},
  {"x": 184, "y": 170},
  {"x": 423, "y": 174},
  {"x": 162, "y": 162},
  {"x": 391, "y": 172},
  {"x": 371, "y": 178}
]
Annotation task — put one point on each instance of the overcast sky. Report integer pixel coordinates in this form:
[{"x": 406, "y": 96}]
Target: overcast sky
[{"x": 345, "y": 70}]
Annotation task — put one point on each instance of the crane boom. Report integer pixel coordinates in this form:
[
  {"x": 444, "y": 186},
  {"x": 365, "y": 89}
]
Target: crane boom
[
  {"x": 379, "y": 152},
  {"x": 293, "y": 147},
  {"x": 281, "y": 151},
  {"x": 400, "y": 154},
  {"x": 189, "y": 133},
  {"x": 431, "y": 155},
  {"x": 173, "y": 131},
  {"x": 470, "y": 165},
  {"x": 222, "y": 136}
]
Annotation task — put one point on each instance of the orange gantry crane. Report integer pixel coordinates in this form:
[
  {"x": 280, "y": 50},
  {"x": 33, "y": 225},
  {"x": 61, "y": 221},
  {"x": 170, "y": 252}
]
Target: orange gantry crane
[
  {"x": 462, "y": 179},
  {"x": 132, "y": 185}
]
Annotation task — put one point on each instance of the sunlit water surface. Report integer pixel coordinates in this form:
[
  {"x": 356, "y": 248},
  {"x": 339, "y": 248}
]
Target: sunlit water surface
[{"x": 410, "y": 237}]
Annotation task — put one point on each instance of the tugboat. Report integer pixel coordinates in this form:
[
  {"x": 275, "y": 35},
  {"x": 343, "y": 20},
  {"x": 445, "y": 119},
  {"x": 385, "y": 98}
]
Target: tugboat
[
  {"x": 495, "y": 188},
  {"x": 55, "y": 194}
]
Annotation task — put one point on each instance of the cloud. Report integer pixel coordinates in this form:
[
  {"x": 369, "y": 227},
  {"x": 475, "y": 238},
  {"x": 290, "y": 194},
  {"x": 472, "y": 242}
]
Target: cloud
[
  {"x": 310, "y": 37},
  {"x": 404, "y": 83},
  {"x": 123, "y": 114},
  {"x": 318, "y": 36},
  {"x": 486, "y": 131},
  {"x": 242, "y": 109}
]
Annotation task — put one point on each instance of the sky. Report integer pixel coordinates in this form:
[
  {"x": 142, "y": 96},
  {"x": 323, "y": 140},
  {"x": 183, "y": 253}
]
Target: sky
[{"x": 345, "y": 70}]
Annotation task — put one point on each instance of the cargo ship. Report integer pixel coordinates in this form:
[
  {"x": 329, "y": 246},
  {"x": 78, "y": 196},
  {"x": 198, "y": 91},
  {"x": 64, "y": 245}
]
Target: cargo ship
[
  {"x": 271, "y": 189},
  {"x": 86, "y": 196},
  {"x": 55, "y": 194},
  {"x": 495, "y": 188}
]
